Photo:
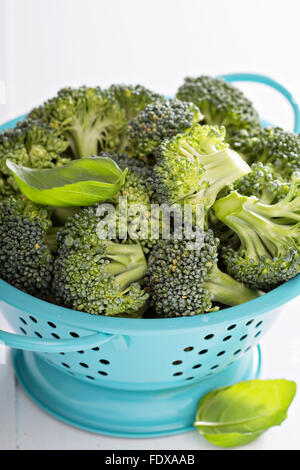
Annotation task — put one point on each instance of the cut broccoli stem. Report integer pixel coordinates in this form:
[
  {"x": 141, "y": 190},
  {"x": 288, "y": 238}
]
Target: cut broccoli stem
[{"x": 228, "y": 291}]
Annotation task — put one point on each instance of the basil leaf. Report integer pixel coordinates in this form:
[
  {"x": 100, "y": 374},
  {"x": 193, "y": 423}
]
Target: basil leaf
[
  {"x": 238, "y": 414},
  {"x": 81, "y": 182}
]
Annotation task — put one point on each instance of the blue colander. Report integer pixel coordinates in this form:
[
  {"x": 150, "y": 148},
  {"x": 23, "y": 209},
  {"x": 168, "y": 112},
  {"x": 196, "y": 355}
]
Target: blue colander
[{"x": 136, "y": 377}]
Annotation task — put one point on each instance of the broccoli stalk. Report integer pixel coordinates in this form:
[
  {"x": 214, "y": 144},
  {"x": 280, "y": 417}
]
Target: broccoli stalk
[
  {"x": 269, "y": 250},
  {"x": 222, "y": 286}
]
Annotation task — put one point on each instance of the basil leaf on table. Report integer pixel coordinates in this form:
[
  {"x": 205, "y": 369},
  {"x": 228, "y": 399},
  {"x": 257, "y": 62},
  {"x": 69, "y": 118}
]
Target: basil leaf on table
[
  {"x": 81, "y": 182},
  {"x": 238, "y": 414}
]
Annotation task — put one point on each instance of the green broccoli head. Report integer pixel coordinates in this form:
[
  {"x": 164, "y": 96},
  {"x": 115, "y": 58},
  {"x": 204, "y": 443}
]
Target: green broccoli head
[
  {"x": 193, "y": 167},
  {"x": 269, "y": 250},
  {"x": 262, "y": 183},
  {"x": 26, "y": 261},
  {"x": 159, "y": 121},
  {"x": 183, "y": 278},
  {"x": 133, "y": 98},
  {"x": 91, "y": 119},
  {"x": 220, "y": 102},
  {"x": 95, "y": 275},
  {"x": 271, "y": 146},
  {"x": 32, "y": 144}
]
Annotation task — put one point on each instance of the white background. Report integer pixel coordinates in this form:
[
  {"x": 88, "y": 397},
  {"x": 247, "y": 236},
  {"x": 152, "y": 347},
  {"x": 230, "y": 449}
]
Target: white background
[{"x": 47, "y": 44}]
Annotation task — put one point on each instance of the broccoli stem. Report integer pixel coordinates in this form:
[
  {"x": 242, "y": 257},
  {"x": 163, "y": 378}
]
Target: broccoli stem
[
  {"x": 228, "y": 291},
  {"x": 258, "y": 234},
  {"x": 84, "y": 143},
  {"x": 50, "y": 238},
  {"x": 128, "y": 263},
  {"x": 222, "y": 168}
]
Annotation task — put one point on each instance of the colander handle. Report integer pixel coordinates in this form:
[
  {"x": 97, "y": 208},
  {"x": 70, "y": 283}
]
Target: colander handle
[
  {"x": 61, "y": 345},
  {"x": 253, "y": 77}
]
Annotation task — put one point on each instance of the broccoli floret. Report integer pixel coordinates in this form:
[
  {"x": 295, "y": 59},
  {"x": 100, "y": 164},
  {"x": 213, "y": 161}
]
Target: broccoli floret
[
  {"x": 132, "y": 99},
  {"x": 269, "y": 250},
  {"x": 194, "y": 166},
  {"x": 262, "y": 183},
  {"x": 220, "y": 102},
  {"x": 183, "y": 278},
  {"x": 271, "y": 146},
  {"x": 91, "y": 119},
  {"x": 96, "y": 275},
  {"x": 32, "y": 144},
  {"x": 160, "y": 121},
  {"x": 26, "y": 242}
]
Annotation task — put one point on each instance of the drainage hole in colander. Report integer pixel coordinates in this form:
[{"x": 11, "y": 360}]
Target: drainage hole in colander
[
  {"x": 214, "y": 367},
  {"x": 178, "y": 373},
  {"x": 258, "y": 324},
  {"x": 203, "y": 351},
  {"x": 65, "y": 365},
  {"x": 237, "y": 352},
  {"x": 75, "y": 335},
  {"x": 197, "y": 366},
  {"x": 82, "y": 364},
  {"x": 257, "y": 334},
  {"x": 62, "y": 354},
  {"x": 96, "y": 349},
  {"x": 104, "y": 361},
  {"x": 248, "y": 348},
  {"x": 190, "y": 378},
  {"x": 80, "y": 352},
  {"x": 231, "y": 327},
  {"x": 249, "y": 322},
  {"x": 243, "y": 337},
  {"x": 23, "y": 331},
  {"x": 33, "y": 319},
  {"x": 90, "y": 377},
  {"x": 51, "y": 324},
  {"x": 221, "y": 353},
  {"x": 188, "y": 349},
  {"x": 23, "y": 321},
  {"x": 208, "y": 336},
  {"x": 101, "y": 372},
  {"x": 38, "y": 334},
  {"x": 176, "y": 363},
  {"x": 55, "y": 336},
  {"x": 227, "y": 338}
]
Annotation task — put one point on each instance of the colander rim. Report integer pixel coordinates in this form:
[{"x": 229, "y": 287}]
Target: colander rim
[{"x": 51, "y": 312}]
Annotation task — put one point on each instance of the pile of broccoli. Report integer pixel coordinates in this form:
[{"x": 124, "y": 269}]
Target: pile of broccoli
[{"x": 204, "y": 151}]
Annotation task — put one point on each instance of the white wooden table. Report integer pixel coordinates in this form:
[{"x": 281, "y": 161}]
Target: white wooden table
[{"x": 24, "y": 426}]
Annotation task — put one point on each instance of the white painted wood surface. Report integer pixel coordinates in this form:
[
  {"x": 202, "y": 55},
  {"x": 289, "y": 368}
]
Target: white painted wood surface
[{"x": 156, "y": 43}]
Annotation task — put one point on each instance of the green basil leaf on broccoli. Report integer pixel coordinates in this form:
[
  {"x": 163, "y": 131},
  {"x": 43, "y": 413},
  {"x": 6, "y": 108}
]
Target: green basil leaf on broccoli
[{"x": 79, "y": 183}]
